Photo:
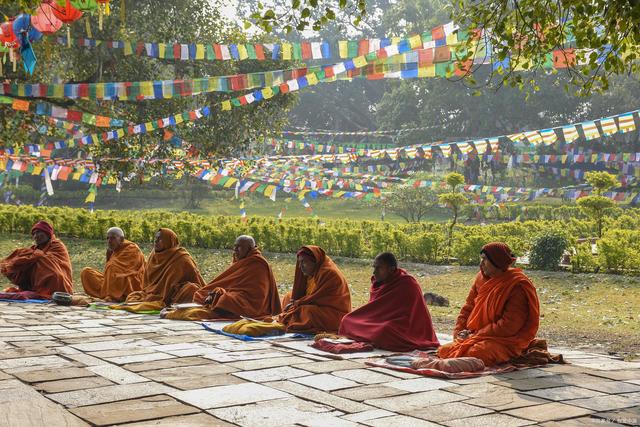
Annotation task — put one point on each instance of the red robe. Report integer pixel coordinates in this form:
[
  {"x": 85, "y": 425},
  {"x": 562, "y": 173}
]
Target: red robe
[
  {"x": 43, "y": 271},
  {"x": 396, "y": 317}
]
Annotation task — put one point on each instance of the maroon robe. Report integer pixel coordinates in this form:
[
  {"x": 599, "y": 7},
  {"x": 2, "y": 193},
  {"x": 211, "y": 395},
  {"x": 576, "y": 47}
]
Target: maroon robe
[{"x": 396, "y": 317}]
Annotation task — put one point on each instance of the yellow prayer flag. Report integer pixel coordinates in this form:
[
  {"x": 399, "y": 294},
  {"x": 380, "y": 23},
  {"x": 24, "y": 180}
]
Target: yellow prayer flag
[
  {"x": 452, "y": 39},
  {"x": 178, "y": 118},
  {"x": 37, "y": 169},
  {"x": 269, "y": 190},
  {"x": 242, "y": 52},
  {"x": 343, "y": 48},
  {"x": 146, "y": 89},
  {"x": 128, "y": 49},
  {"x": 428, "y": 71},
  {"x": 199, "y": 51},
  {"x": 286, "y": 51},
  {"x": 226, "y": 105},
  {"x": 58, "y": 91},
  {"x": 359, "y": 61},
  {"x": 312, "y": 79},
  {"x": 415, "y": 42},
  {"x": 100, "y": 90},
  {"x": 162, "y": 50},
  {"x": 91, "y": 197},
  {"x": 267, "y": 93}
]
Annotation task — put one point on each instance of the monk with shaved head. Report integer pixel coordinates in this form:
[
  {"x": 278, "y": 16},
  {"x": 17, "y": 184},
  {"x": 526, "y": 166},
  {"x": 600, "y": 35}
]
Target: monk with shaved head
[
  {"x": 247, "y": 288},
  {"x": 123, "y": 271}
]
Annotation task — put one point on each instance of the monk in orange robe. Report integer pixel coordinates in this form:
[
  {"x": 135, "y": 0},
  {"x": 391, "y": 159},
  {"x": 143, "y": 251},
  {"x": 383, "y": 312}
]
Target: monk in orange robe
[
  {"x": 170, "y": 276},
  {"x": 500, "y": 319},
  {"x": 247, "y": 288},
  {"x": 320, "y": 297},
  {"x": 42, "y": 269},
  {"x": 123, "y": 272}
]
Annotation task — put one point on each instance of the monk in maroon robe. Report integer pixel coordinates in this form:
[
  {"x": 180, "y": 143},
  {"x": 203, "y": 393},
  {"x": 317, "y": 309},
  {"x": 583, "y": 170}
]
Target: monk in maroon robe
[{"x": 396, "y": 317}]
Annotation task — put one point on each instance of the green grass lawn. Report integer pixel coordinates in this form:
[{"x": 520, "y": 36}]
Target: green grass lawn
[
  {"x": 598, "y": 312},
  {"x": 324, "y": 208}
]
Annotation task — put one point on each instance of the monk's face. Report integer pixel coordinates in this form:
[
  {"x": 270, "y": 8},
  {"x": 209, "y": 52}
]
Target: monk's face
[
  {"x": 241, "y": 249},
  {"x": 307, "y": 266},
  {"x": 114, "y": 241},
  {"x": 487, "y": 268},
  {"x": 382, "y": 271},
  {"x": 157, "y": 243},
  {"x": 40, "y": 238}
]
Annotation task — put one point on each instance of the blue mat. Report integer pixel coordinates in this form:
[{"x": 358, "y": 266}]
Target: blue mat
[
  {"x": 248, "y": 338},
  {"x": 27, "y": 301}
]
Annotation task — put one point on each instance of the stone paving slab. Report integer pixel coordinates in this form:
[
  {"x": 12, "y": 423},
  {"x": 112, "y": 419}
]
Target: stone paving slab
[
  {"x": 72, "y": 366},
  {"x": 21, "y": 405},
  {"x": 141, "y": 409}
]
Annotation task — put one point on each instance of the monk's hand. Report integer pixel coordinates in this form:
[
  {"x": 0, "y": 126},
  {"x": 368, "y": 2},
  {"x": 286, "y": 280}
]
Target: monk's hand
[
  {"x": 211, "y": 296},
  {"x": 464, "y": 334}
]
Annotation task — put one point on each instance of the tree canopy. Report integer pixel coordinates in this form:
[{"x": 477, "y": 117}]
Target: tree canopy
[{"x": 182, "y": 21}]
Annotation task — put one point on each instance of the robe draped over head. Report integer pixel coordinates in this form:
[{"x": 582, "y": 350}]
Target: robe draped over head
[
  {"x": 322, "y": 309},
  {"x": 247, "y": 288},
  {"x": 503, "y": 313},
  {"x": 123, "y": 274},
  {"x": 396, "y": 317},
  {"x": 43, "y": 271},
  {"x": 171, "y": 275}
]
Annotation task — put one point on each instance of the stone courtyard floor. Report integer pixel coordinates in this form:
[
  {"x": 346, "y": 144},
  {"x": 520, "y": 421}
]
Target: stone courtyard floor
[{"x": 62, "y": 366}]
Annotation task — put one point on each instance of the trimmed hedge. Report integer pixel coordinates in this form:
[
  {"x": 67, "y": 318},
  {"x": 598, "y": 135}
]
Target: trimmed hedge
[{"x": 421, "y": 242}]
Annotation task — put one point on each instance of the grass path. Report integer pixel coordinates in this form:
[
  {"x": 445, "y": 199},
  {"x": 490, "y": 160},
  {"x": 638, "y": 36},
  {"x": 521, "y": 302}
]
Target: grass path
[{"x": 598, "y": 312}]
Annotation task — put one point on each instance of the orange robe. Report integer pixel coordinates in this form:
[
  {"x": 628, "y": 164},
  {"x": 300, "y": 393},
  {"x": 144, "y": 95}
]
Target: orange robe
[
  {"x": 170, "y": 276},
  {"x": 246, "y": 288},
  {"x": 503, "y": 313},
  {"x": 321, "y": 309},
  {"x": 43, "y": 271},
  {"x": 123, "y": 274}
]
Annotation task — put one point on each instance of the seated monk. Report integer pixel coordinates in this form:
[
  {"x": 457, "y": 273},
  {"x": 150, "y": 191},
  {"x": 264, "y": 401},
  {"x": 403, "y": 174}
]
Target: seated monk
[
  {"x": 396, "y": 317},
  {"x": 320, "y": 297},
  {"x": 247, "y": 288},
  {"x": 42, "y": 269},
  {"x": 170, "y": 274},
  {"x": 123, "y": 272},
  {"x": 500, "y": 318}
]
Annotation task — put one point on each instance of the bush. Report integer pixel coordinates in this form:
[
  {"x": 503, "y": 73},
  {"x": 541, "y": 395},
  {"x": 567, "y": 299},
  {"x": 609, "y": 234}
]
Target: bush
[
  {"x": 583, "y": 261},
  {"x": 547, "y": 250},
  {"x": 619, "y": 251},
  {"x": 421, "y": 242}
]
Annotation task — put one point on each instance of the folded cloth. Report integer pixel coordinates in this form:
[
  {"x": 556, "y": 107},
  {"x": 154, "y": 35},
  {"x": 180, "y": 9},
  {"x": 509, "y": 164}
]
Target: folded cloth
[
  {"x": 451, "y": 366},
  {"x": 327, "y": 335},
  {"x": 149, "y": 307},
  {"x": 255, "y": 328},
  {"x": 21, "y": 295},
  {"x": 337, "y": 348},
  {"x": 537, "y": 354},
  {"x": 426, "y": 364}
]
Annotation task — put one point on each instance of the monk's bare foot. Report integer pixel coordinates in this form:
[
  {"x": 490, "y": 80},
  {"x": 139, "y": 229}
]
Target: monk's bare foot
[{"x": 164, "y": 312}]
